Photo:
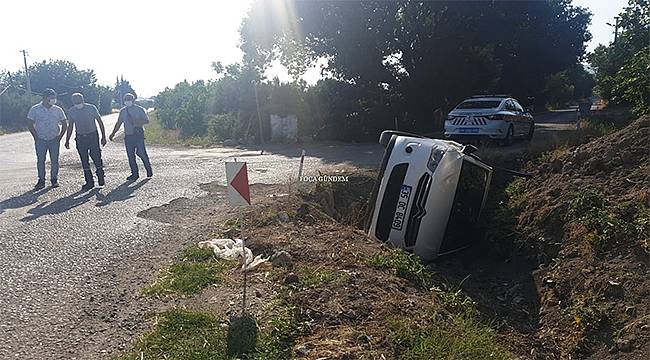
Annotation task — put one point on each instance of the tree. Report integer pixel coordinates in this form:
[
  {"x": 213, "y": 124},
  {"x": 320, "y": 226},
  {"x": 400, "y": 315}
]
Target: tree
[
  {"x": 408, "y": 58},
  {"x": 632, "y": 82},
  {"x": 60, "y": 75},
  {"x": 122, "y": 87},
  {"x": 607, "y": 60}
]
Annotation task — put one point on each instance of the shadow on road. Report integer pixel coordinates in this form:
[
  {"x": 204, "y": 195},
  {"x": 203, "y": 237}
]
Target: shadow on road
[
  {"x": 61, "y": 205},
  {"x": 123, "y": 192},
  {"x": 25, "y": 199}
]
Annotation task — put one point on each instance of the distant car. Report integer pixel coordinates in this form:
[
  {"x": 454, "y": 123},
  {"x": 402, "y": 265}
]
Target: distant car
[
  {"x": 489, "y": 116},
  {"x": 428, "y": 196}
]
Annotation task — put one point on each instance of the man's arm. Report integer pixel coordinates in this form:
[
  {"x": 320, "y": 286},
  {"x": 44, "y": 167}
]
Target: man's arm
[
  {"x": 101, "y": 128},
  {"x": 118, "y": 124},
  {"x": 30, "y": 127},
  {"x": 68, "y": 134},
  {"x": 30, "y": 122},
  {"x": 64, "y": 128}
]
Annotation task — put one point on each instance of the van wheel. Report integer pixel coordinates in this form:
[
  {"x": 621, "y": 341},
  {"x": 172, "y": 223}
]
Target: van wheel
[
  {"x": 509, "y": 136},
  {"x": 531, "y": 131}
]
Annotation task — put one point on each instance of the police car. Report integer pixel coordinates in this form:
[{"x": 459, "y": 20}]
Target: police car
[{"x": 489, "y": 116}]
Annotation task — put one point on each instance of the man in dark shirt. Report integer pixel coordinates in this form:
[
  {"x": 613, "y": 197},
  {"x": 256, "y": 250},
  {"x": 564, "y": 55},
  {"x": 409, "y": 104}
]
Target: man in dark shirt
[{"x": 83, "y": 116}]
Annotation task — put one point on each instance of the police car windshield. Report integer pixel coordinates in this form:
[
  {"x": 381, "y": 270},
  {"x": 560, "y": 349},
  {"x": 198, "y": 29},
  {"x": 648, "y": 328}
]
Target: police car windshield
[{"x": 479, "y": 104}]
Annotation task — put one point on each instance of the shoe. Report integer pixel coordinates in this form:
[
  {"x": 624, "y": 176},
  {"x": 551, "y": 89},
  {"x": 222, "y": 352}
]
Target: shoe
[
  {"x": 39, "y": 185},
  {"x": 87, "y": 187},
  {"x": 133, "y": 177},
  {"x": 55, "y": 183},
  {"x": 100, "y": 181}
]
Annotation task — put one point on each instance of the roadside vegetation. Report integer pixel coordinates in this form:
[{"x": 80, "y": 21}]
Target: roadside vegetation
[
  {"x": 388, "y": 74},
  {"x": 323, "y": 302},
  {"x": 580, "y": 225},
  {"x": 584, "y": 219},
  {"x": 196, "y": 269},
  {"x": 62, "y": 76}
]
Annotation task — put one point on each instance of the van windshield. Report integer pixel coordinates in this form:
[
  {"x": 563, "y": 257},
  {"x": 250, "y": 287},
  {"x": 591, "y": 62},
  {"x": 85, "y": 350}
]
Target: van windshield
[{"x": 479, "y": 104}]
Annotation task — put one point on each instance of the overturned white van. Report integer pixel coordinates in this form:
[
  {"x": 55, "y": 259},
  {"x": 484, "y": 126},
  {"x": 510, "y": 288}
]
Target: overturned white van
[{"x": 428, "y": 196}]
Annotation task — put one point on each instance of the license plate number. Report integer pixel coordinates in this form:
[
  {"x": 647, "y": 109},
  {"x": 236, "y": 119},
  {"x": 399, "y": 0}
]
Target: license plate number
[
  {"x": 468, "y": 130},
  {"x": 402, "y": 204}
]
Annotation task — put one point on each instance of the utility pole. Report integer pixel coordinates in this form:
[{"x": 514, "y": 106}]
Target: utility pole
[
  {"x": 615, "y": 28},
  {"x": 29, "y": 83},
  {"x": 259, "y": 117}
]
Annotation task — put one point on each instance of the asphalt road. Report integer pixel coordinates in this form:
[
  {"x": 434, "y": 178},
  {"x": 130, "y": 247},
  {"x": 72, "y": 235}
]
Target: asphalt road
[{"x": 56, "y": 244}]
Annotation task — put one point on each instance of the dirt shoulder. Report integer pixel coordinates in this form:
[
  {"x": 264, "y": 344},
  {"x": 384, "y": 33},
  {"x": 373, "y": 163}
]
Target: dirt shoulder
[{"x": 561, "y": 273}]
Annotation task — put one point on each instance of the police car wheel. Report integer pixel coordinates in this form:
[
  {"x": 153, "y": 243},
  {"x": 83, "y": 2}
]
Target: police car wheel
[
  {"x": 529, "y": 136},
  {"x": 507, "y": 141}
]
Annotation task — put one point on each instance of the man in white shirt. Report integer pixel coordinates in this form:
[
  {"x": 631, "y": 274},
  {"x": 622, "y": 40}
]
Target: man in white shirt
[{"x": 47, "y": 124}]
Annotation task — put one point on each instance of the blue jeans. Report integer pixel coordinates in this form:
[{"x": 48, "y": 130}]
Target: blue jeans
[
  {"x": 135, "y": 146},
  {"x": 42, "y": 148}
]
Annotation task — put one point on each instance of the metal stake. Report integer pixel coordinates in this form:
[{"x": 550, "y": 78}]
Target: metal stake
[{"x": 243, "y": 249}]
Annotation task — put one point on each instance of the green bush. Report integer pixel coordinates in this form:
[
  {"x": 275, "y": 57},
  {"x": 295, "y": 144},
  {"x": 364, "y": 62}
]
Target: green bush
[
  {"x": 184, "y": 107},
  {"x": 608, "y": 224},
  {"x": 13, "y": 110},
  {"x": 632, "y": 82},
  {"x": 406, "y": 265},
  {"x": 222, "y": 126}
]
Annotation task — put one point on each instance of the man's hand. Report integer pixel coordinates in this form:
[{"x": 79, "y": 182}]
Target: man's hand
[
  {"x": 104, "y": 140},
  {"x": 67, "y": 145}
]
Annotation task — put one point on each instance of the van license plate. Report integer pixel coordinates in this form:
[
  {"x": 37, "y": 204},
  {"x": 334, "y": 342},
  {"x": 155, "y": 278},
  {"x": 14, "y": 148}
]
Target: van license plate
[
  {"x": 468, "y": 130},
  {"x": 402, "y": 204}
]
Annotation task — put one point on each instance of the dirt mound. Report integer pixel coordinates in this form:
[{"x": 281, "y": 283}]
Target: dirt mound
[{"x": 585, "y": 214}]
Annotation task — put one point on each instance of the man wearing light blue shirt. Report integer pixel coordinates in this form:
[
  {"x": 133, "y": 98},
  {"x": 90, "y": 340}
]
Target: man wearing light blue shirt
[
  {"x": 134, "y": 117},
  {"x": 47, "y": 124}
]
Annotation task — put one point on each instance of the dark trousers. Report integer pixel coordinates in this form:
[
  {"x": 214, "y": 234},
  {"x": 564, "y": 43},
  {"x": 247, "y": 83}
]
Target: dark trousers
[
  {"x": 135, "y": 146},
  {"x": 88, "y": 146}
]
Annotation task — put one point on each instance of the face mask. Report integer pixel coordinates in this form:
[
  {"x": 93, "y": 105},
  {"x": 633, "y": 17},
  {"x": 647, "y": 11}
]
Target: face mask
[
  {"x": 52, "y": 102},
  {"x": 79, "y": 106},
  {"x": 128, "y": 103}
]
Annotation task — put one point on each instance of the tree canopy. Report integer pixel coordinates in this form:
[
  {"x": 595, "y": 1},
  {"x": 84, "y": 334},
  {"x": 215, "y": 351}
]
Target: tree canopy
[
  {"x": 407, "y": 58},
  {"x": 622, "y": 66}
]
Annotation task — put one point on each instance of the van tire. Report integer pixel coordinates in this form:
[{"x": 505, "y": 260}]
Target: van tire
[{"x": 386, "y": 135}]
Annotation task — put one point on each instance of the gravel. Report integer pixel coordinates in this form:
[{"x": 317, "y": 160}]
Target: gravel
[{"x": 72, "y": 264}]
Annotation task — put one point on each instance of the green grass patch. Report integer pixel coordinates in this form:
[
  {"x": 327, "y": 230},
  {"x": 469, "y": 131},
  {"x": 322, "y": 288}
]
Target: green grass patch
[
  {"x": 406, "y": 266},
  {"x": 313, "y": 277},
  {"x": 608, "y": 224},
  {"x": 185, "y": 335},
  {"x": 437, "y": 336},
  {"x": 182, "y": 335},
  {"x": 587, "y": 318},
  {"x": 196, "y": 270},
  {"x": 158, "y": 135},
  {"x": 279, "y": 334}
]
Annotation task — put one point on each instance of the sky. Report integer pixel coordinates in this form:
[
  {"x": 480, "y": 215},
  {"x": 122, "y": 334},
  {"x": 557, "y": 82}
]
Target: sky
[{"x": 156, "y": 44}]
